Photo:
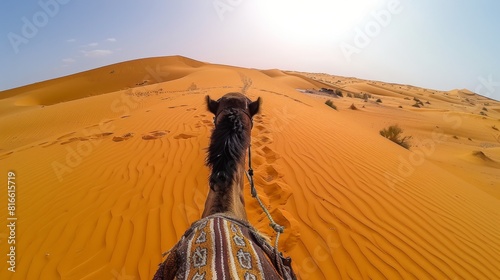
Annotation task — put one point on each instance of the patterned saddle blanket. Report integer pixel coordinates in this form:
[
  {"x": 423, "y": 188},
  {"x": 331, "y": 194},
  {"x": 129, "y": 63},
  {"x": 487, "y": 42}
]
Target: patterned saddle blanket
[{"x": 220, "y": 247}]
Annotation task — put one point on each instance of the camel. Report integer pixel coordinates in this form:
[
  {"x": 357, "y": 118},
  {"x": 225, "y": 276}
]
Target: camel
[{"x": 223, "y": 244}]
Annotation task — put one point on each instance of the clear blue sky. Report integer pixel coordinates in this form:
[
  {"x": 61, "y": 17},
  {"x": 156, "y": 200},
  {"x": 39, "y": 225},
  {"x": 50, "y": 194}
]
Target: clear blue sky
[{"x": 440, "y": 44}]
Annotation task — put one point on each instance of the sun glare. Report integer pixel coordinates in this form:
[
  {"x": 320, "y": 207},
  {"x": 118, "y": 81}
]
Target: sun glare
[{"x": 314, "y": 18}]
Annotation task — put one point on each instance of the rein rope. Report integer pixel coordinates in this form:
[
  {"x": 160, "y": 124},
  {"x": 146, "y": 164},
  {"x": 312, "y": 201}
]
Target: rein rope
[{"x": 275, "y": 226}]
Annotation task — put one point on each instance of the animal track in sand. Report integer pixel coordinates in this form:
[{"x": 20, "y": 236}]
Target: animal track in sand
[
  {"x": 124, "y": 137},
  {"x": 184, "y": 136},
  {"x": 260, "y": 127},
  {"x": 269, "y": 154},
  {"x": 264, "y": 154},
  {"x": 272, "y": 188},
  {"x": 63, "y": 140},
  {"x": 90, "y": 126},
  {"x": 68, "y": 134},
  {"x": 6, "y": 155},
  {"x": 155, "y": 134},
  {"x": 263, "y": 140},
  {"x": 172, "y": 107},
  {"x": 272, "y": 174},
  {"x": 87, "y": 138},
  {"x": 202, "y": 121},
  {"x": 47, "y": 144}
]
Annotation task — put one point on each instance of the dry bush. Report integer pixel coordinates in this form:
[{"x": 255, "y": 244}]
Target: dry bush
[
  {"x": 330, "y": 103},
  {"x": 393, "y": 133}
]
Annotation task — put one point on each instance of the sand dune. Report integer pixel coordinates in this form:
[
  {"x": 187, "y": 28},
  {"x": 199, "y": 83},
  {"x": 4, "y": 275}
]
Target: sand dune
[
  {"x": 480, "y": 158},
  {"x": 110, "y": 173}
]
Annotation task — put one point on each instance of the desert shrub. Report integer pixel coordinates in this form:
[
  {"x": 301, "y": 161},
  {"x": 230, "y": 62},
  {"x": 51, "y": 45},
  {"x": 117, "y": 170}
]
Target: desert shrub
[
  {"x": 485, "y": 109},
  {"x": 353, "y": 107},
  {"x": 349, "y": 94},
  {"x": 379, "y": 100},
  {"x": 338, "y": 92},
  {"x": 192, "y": 87},
  {"x": 327, "y": 90},
  {"x": 393, "y": 133},
  {"x": 418, "y": 103},
  {"x": 494, "y": 127},
  {"x": 330, "y": 103},
  {"x": 363, "y": 96},
  {"x": 482, "y": 113}
]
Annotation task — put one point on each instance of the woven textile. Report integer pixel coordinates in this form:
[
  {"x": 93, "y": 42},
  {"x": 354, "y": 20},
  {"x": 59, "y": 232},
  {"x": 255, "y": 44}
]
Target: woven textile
[{"x": 218, "y": 247}]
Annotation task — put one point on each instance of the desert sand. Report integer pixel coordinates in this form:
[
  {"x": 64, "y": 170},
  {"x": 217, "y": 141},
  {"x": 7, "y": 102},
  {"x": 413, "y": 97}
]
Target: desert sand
[{"x": 109, "y": 168}]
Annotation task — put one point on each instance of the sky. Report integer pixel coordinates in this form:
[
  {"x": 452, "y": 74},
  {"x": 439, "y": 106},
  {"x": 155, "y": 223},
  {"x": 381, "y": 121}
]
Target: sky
[{"x": 440, "y": 44}]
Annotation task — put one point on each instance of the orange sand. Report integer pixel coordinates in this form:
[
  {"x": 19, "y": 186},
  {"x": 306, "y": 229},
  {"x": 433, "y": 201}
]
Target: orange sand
[{"x": 110, "y": 172}]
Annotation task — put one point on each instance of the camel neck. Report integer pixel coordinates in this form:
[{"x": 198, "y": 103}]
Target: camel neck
[{"x": 230, "y": 201}]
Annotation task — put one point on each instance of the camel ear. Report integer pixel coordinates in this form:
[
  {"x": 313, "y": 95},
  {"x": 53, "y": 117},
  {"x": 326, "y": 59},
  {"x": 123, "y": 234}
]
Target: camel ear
[
  {"x": 254, "y": 107},
  {"x": 213, "y": 105}
]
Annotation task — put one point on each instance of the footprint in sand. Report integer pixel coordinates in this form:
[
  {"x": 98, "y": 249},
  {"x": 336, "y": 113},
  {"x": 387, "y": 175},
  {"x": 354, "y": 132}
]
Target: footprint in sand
[
  {"x": 100, "y": 135},
  {"x": 74, "y": 139},
  {"x": 272, "y": 187},
  {"x": 91, "y": 126},
  {"x": 6, "y": 155},
  {"x": 269, "y": 154},
  {"x": 172, "y": 107},
  {"x": 65, "y": 135},
  {"x": 271, "y": 174},
  {"x": 87, "y": 138},
  {"x": 260, "y": 127},
  {"x": 47, "y": 144},
  {"x": 184, "y": 136},
  {"x": 263, "y": 140},
  {"x": 124, "y": 137},
  {"x": 155, "y": 134}
]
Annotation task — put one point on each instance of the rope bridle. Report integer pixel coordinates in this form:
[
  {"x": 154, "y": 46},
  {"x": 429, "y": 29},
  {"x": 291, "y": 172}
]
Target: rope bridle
[{"x": 275, "y": 226}]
